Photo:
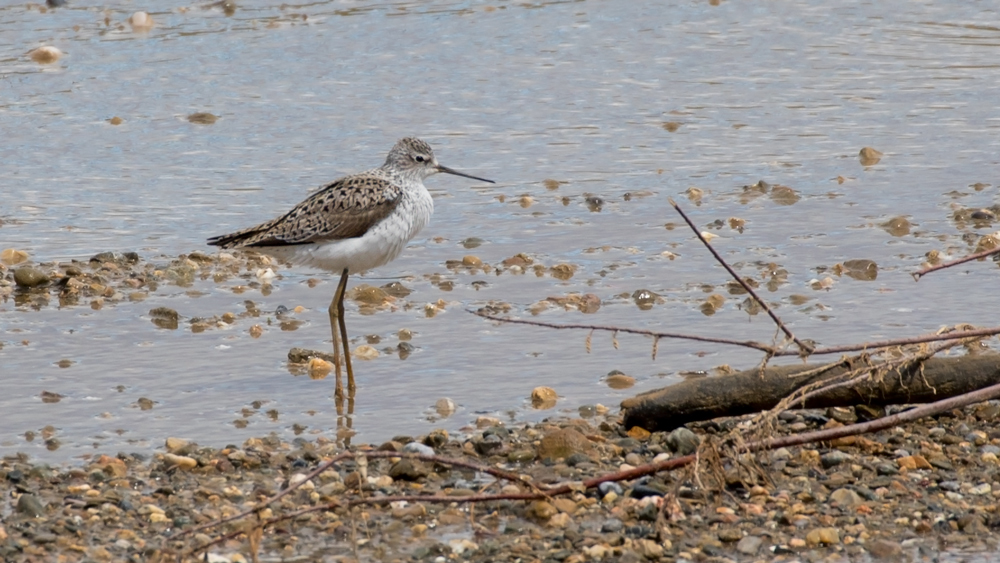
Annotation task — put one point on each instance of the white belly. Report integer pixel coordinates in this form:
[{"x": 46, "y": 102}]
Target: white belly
[{"x": 378, "y": 246}]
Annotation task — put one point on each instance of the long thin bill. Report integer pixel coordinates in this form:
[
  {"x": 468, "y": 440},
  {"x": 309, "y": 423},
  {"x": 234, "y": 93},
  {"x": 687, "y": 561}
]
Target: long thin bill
[{"x": 447, "y": 170}]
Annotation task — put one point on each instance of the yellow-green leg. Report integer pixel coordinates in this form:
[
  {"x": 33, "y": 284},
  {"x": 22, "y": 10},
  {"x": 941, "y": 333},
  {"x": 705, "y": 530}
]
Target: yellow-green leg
[
  {"x": 336, "y": 321},
  {"x": 341, "y": 290},
  {"x": 340, "y": 341}
]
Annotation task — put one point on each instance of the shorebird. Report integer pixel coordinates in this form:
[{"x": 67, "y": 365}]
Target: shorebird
[{"x": 351, "y": 225}]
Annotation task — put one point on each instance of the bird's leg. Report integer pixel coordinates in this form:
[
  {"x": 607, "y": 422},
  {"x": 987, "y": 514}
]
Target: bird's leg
[
  {"x": 341, "y": 290},
  {"x": 334, "y": 326}
]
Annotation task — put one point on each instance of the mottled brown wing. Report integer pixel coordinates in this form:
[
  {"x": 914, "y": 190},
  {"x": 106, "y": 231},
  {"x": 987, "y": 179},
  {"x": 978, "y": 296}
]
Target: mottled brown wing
[{"x": 346, "y": 208}]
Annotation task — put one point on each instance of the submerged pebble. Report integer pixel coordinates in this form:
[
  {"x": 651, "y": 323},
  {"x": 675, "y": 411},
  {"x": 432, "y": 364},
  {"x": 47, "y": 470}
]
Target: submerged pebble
[{"x": 45, "y": 55}]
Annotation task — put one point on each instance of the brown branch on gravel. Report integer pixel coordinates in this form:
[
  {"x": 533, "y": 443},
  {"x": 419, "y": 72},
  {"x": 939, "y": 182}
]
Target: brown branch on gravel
[
  {"x": 930, "y": 409},
  {"x": 499, "y": 473},
  {"x": 977, "y": 256},
  {"x": 979, "y": 332},
  {"x": 804, "y": 349}
]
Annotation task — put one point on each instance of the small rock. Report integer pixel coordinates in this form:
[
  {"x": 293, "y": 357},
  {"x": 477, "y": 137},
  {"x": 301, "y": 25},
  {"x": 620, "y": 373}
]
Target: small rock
[
  {"x": 408, "y": 470},
  {"x": 437, "y": 438},
  {"x": 869, "y": 156},
  {"x": 618, "y": 380},
  {"x": 488, "y": 445},
  {"x": 541, "y": 510},
  {"x": 834, "y": 458},
  {"x": 543, "y": 397},
  {"x": 565, "y": 505},
  {"x": 445, "y": 407},
  {"x": 45, "y": 55},
  {"x": 177, "y": 445},
  {"x": 563, "y": 443},
  {"x": 609, "y": 486},
  {"x": 683, "y": 441},
  {"x": 319, "y": 368},
  {"x": 180, "y": 461},
  {"x": 730, "y": 535},
  {"x": 521, "y": 456},
  {"x": 846, "y": 497},
  {"x": 12, "y": 256},
  {"x": 561, "y": 520},
  {"x": 981, "y": 489},
  {"x": 612, "y": 526},
  {"x": 823, "y": 536},
  {"x": 912, "y": 462},
  {"x": 30, "y": 506},
  {"x": 885, "y": 549},
  {"x": 749, "y": 545},
  {"x": 649, "y": 549},
  {"x": 418, "y": 448},
  {"x": 28, "y": 276},
  {"x": 140, "y": 21},
  {"x": 202, "y": 118}
]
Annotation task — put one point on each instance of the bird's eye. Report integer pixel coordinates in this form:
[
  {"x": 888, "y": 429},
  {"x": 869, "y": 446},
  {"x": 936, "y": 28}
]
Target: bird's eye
[{"x": 419, "y": 158}]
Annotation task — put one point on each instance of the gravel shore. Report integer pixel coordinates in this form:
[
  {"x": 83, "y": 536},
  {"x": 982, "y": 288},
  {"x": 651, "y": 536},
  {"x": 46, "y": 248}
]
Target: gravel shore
[{"x": 922, "y": 490}]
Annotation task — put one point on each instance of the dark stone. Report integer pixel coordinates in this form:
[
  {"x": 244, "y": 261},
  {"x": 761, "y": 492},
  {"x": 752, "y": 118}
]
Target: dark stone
[
  {"x": 886, "y": 469},
  {"x": 647, "y": 512},
  {"x": 118, "y": 258},
  {"x": 500, "y": 431},
  {"x": 609, "y": 486},
  {"x": 833, "y": 459},
  {"x": 29, "y": 505},
  {"x": 612, "y": 526},
  {"x": 408, "y": 470},
  {"x": 643, "y": 491},
  {"x": 488, "y": 444},
  {"x": 28, "y": 277},
  {"x": 682, "y": 441}
]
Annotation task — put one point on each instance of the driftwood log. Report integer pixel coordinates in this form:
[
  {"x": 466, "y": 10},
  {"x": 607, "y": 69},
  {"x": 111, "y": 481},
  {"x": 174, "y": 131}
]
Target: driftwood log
[{"x": 751, "y": 391}]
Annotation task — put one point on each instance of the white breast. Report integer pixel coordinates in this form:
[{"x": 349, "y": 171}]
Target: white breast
[{"x": 378, "y": 246}]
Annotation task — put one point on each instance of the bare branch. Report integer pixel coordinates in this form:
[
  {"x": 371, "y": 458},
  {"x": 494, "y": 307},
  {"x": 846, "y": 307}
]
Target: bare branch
[
  {"x": 977, "y": 256},
  {"x": 804, "y": 349}
]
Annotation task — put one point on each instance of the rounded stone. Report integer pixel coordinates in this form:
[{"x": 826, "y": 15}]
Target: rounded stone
[{"x": 28, "y": 277}]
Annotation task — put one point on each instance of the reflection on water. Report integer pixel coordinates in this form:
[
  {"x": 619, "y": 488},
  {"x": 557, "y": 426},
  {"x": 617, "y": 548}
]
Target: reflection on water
[{"x": 589, "y": 114}]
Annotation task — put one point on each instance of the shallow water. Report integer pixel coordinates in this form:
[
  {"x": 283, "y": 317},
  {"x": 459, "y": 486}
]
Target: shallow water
[{"x": 577, "y": 92}]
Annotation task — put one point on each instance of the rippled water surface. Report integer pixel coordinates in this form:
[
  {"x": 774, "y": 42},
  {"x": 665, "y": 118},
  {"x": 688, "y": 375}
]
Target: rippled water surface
[{"x": 629, "y": 102}]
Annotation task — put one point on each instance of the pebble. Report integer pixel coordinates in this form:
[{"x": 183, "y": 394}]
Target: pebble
[
  {"x": 12, "y": 256},
  {"x": 749, "y": 545},
  {"x": 408, "y": 470},
  {"x": 29, "y": 277},
  {"x": 563, "y": 443},
  {"x": 543, "y": 397},
  {"x": 180, "y": 461},
  {"x": 140, "y": 21},
  {"x": 609, "y": 487},
  {"x": 541, "y": 510},
  {"x": 45, "y": 55},
  {"x": 834, "y": 458},
  {"x": 30, "y": 506},
  {"x": 683, "y": 441},
  {"x": 418, "y": 448},
  {"x": 823, "y": 536},
  {"x": 846, "y": 497}
]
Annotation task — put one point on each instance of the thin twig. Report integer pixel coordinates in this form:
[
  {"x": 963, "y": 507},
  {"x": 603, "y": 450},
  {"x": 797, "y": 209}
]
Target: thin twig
[
  {"x": 654, "y": 334},
  {"x": 499, "y": 473},
  {"x": 804, "y": 348},
  {"x": 979, "y": 332},
  {"x": 920, "y": 273}
]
